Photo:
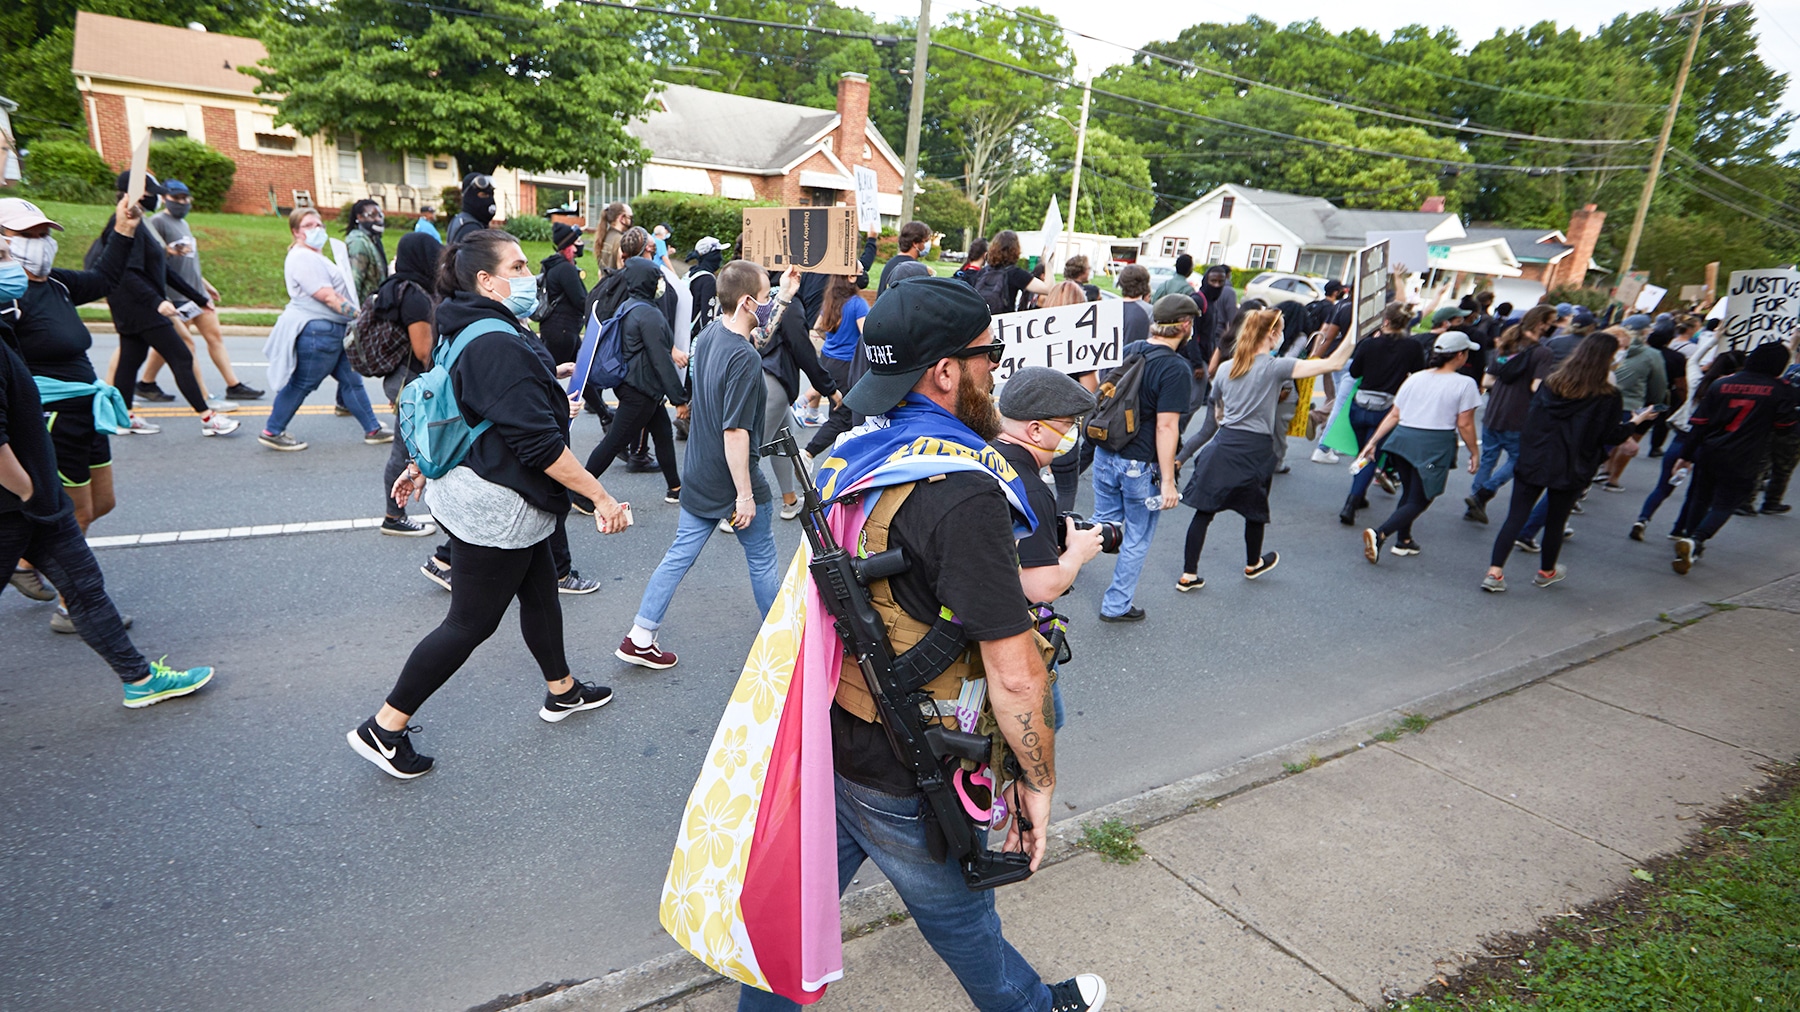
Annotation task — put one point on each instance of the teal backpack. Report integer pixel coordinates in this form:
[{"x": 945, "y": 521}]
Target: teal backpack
[{"x": 430, "y": 421}]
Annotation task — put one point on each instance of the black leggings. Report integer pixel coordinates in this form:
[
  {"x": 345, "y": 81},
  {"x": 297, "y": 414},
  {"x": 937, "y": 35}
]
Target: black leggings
[
  {"x": 1556, "y": 518},
  {"x": 637, "y": 413},
  {"x": 135, "y": 348},
  {"x": 1196, "y": 540},
  {"x": 559, "y": 548},
  {"x": 486, "y": 581},
  {"x": 1413, "y": 501},
  {"x": 841, "y": 419}
]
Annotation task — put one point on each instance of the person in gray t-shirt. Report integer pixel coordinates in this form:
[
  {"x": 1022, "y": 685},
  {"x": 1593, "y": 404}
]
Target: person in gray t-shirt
[
  {"x": 720, "y": 482},
  {"x": 170, "y": 225}
]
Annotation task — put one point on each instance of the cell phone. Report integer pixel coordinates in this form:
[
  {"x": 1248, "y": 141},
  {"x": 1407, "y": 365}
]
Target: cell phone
[{"x": 1657, "y": 408}]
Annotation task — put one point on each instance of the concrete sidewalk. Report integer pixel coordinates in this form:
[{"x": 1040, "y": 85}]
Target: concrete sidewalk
[{"x": 1367, "y": 876}]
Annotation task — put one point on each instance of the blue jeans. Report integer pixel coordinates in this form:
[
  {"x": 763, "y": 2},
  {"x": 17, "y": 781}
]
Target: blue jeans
[
  {"x": 1364, "y": 422},
  {"x": 1677, "y": 444},
  {"x": 691, "y": 534},
  {"x": 1120, "y": 488},
  {"x": 1489, "y": 477},
  {"x": 960, "y": 923},
  {"x": 319, "y": 353}
]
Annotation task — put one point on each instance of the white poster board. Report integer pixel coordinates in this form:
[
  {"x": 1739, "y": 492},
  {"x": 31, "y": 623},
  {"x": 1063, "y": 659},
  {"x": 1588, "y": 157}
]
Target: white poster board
[
  {"x": 1406, "y": 249},
  {"x": 1764, "y": 306},
  {"x": 1649, "y": 298},
  {"x": 1369, "y": 287},
  {"x": 868, "y": 199},
  {"x": 1053, "y": 229},
  {"x": 1070, "y": 339}
]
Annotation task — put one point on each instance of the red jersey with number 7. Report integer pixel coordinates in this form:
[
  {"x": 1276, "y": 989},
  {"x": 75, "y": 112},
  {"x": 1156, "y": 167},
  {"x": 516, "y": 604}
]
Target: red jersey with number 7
[{"x": 1732, "y": 423}]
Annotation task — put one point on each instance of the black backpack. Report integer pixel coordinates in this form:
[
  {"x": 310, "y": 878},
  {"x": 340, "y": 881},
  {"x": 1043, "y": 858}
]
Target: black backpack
[
  {"x": 991, "y": 285},
  {"x": 1115, "y": 421},
  {"x": 378, "y": 344}
]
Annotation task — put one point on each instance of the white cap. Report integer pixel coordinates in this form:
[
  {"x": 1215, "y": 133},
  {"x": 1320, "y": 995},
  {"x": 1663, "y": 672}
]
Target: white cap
[
  {"x": 708, "y": 244},
  {"x": 19, "y": 214},
  {"x": 1452, "y": 341}
]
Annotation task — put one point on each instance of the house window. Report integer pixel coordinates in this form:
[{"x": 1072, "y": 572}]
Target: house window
[
  {"x": 349, "y": 166},
  {"x": 1173, "y": 246},
  {"x": 1256, "y": 257},
  {"x": 416, "y": 175},
  {"x": 624, "y": 185},
  {"x": 1272, "y": 257},
  {"x": 1215, "y": 253},
  {"x": 1225, "y": 206},
  {"x": 819, "y": 196},
  {"x": 162, "y": 134},
  {"x": 275, "y": 142},
  {"x": 1264, "y": 256}
]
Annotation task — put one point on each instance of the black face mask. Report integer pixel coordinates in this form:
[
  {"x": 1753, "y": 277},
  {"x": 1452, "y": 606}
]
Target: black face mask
[
  {"x": 147, "y": 202},
  {"x": 480, "y": 206}
]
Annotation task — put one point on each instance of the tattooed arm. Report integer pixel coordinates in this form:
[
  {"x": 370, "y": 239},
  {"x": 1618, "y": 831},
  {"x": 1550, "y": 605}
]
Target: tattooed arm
[{"x": 1019, "y": 691}]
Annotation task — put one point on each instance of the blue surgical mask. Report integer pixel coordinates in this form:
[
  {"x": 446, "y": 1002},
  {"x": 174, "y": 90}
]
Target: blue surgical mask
[
  {"x": 524, "y": 298},
  {"x": 314, "y": 237},
  {"x": 12, "y": 280}
]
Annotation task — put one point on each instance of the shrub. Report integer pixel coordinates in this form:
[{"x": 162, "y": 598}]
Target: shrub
[
  {"x": 46, "y": 160},
  {"x": 945, "y": 208},
  {"x": 206, "y": 171},
  {"x": 69, "y": 190},
  {"x": 529, "y": 228},
  {"x": 690, "y": 217},
  {"x": 449, "y": 203}
]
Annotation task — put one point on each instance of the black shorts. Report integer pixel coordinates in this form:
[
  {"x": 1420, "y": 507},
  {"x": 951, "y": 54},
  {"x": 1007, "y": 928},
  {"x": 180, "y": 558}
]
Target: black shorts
[{"x": 79, "y": 448}]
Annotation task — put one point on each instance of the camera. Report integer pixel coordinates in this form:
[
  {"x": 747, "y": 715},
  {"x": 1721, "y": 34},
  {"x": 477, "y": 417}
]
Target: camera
[{"x": 1111, "y": 534}]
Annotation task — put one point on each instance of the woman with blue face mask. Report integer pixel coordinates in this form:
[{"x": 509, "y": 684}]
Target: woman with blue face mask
[
  {"x": 307, "y": 343},
  {"x": 502, "y": 503}
]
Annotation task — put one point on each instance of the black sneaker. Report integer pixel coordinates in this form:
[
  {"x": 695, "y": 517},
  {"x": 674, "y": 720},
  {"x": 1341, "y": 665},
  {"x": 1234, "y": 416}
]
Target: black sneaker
[
  {"x": 673, "y": 496},
  {"x": 243, "y": 392},
  {"x": 392, "y": 751},
  {"x": 406, "y": 527},
  {"x": 151, "y": 392},
  {"x": 1526, "y": 545},
  {"x": 1085, "y": 992},
  {"x": 575, "y": 583},
  {"x": 1776, "y": 508},
  {"x": 436, "y": 573},
  {"x": 1477, "y": 511},
  {"x": 1132, "y": 614},
  {"x": 640, "y": 464},
  {"x": 582, "y": 697},
  {"x": 1638, "y": 529},
  {"x": 1744, "y": 511}
]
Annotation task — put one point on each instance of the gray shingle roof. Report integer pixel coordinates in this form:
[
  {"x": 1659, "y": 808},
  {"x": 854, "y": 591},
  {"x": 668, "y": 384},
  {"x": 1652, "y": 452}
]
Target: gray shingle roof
[
  {"x": 1318, "y": 222},
  {"x": 1529, "y": 245},
  {"x": 689, "y": 124}
]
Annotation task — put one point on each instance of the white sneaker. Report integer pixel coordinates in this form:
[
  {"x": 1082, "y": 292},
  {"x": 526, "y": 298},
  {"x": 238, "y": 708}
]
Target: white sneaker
[
  {"x": 222, "y": 405},
  {"x": 140, "y": 427},
  {"x": 218, "y": 425},
  {"x": 790, "y": 510},
  {"x": 1321, "y": 455}
]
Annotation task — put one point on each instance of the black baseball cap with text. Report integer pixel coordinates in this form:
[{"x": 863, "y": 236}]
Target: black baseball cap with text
[{"x": 913, "y": 325}]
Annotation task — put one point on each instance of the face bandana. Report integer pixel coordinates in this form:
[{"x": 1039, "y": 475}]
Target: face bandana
[{"x": 37, "y": 256}]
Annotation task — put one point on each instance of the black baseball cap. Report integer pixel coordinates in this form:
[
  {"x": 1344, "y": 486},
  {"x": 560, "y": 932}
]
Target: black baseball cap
[
  {"x": 1333, "y": 286},
  {"x": 914, "y": 325},
  {"x": 151, "y": 186}
]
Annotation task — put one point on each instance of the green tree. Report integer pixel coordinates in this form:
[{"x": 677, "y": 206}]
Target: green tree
[
  {"x": 946, "y": 209},
  {"x": 498, "y": 81},
  {"x": 1116, "y": 197},
  {"x": 1360, "y": 180}
]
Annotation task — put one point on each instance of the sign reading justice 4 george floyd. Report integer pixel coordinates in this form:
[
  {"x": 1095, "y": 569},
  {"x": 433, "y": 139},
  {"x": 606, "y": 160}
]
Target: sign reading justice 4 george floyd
[
  {"x": 1070, "y": 339},
  {"x": 1764, "y": 306}
]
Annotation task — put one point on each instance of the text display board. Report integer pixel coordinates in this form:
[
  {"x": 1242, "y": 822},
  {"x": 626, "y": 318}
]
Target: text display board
[{"x": 1070, "y": 339}]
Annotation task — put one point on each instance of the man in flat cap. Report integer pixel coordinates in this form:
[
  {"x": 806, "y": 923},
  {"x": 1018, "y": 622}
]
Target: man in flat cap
[{"x": 920, "y": 476}]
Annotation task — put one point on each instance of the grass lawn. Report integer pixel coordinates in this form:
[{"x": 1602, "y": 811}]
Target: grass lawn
[{"x": 1717, "y": 927}]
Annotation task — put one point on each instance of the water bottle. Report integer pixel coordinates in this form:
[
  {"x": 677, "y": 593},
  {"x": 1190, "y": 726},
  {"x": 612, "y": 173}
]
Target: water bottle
[
  {"x": 1676, "y": 479},
  {"x": 1153, "y": 503}
]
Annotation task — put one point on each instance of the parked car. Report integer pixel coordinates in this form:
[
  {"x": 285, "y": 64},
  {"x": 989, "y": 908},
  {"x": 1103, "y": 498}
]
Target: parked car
[{"x": 1275, "y": 288}]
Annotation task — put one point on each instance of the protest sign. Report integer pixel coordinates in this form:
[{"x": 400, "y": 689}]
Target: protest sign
[
  {"x": 1070, "y": 339},
  {"x": 1633, "y": 285},
  {"x": 868, "y": 199},
  {"x": 818, "y": 240},
  {"x": 1053, "y": 229},
  {"x": 1649, "y": 298},
  {"x": 140, "y": 167},
  {"x": 1764, "y": 306},
  {"x": 1693, "y": 295},
  {"x": 1370, "y": 288},
  {"x": 1407, "y": 250}
]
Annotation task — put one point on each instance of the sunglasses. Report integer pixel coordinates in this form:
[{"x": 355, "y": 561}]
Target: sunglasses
[{"x": 994, "y": 352}]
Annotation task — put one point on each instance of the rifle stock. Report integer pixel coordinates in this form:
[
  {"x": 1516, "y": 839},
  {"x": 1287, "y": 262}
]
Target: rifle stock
[{"x": 924, "y": 746}]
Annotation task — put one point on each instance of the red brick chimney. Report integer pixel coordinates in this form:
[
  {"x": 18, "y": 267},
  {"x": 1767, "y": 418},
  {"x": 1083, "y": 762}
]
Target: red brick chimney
[
  {"x": 1435, "y": 205},
  {"x": 1583, "y": 232},
  {"x": 853, "y": 111}
]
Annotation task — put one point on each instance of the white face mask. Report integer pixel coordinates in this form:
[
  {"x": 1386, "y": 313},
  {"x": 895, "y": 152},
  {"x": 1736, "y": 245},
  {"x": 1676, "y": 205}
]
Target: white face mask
[
  {"x": 314, "y": 237},
  {"x": 37, "y": 256},
  {"x": 1066, "y": 443}
]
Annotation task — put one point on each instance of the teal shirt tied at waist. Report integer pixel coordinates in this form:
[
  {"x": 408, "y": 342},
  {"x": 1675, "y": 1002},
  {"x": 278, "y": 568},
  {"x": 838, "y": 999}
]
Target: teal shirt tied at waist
[
  {"x": 1432, "y": 452},
  {"x": 110, "y": 414}
]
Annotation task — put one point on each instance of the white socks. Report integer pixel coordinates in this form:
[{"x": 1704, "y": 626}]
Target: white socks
[{"x": 641, "y": 637}]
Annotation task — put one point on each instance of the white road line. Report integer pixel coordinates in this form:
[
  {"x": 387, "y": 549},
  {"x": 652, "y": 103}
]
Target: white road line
[{"x": 232, "y": 533}]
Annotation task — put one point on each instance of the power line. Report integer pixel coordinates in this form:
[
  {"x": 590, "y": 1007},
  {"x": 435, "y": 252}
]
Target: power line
[
  {"x": 1716, "y": 174},
  {"x": 1460, "y": 127},
  {"x": 1741, "y": 209}
]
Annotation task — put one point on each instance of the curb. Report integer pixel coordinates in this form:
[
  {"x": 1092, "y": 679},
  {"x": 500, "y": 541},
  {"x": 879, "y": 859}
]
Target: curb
[{"x": 651, "y": 984}]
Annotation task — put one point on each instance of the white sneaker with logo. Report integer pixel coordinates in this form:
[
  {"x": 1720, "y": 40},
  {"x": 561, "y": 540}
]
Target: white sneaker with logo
[{"x": 218, "y": 425}]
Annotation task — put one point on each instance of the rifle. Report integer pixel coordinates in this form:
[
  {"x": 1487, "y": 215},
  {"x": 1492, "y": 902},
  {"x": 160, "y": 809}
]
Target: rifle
[{"x": 923, "y": 745}]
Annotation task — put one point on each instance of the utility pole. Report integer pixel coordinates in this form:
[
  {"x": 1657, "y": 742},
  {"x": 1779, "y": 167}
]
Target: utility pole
[
  {"x": 1662, "y": 140},
  {"x": 915, "y": 112},
  {"x": 1080, "y": 148}
]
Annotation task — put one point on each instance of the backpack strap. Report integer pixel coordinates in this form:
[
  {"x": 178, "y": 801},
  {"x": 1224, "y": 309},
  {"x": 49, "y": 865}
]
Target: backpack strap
[{"x": 447, "y": 351}]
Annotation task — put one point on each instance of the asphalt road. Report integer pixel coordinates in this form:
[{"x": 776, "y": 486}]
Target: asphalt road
[{"x": 229, "y": 851}]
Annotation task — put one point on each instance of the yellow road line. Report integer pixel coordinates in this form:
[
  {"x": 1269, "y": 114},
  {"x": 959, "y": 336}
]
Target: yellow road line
[{"x": 247, "y": 411}]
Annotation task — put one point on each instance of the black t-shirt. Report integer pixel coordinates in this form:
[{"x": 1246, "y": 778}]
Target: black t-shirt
[
  {"x": 1344, "y": 317},
  {"x": 957, "y": 533},
  {"x": 1092, "y": 292},
  {"x": 416, "y": 306},
  {"x": 1166, "y": 389},
  {"x": 1018, "y": 280},
  {"x": 1038, "y": 549},
  {"x": 1137, "y": 321},
  {"x": 1384, "y": 362},
  {"x": 1509, "y": 404},
  {"x": 22, "y": 428}
]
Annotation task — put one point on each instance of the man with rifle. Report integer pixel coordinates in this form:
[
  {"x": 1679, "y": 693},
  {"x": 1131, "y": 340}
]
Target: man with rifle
[{"x": 942, "y": 678}]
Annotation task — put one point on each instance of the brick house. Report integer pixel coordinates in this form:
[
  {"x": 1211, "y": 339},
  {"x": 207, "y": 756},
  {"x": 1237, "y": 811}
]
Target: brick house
[{"x": 793, "y": 154}]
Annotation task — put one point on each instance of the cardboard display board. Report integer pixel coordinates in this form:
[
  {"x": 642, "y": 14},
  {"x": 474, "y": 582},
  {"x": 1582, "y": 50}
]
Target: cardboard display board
[
  {"x": 1370, "y": 287},
  {"x": 1070, "y": 339},
  {"x": 868, "y": 199},
  {"x": 140, "y": 166},
  {"x": 1630, "y": 288},
  {"x": 1764, "y": 306},
  {"x": 1649, "y": 298},
  {"x": 818, "y": 240},
  {"x": 1693, "y": 295}
]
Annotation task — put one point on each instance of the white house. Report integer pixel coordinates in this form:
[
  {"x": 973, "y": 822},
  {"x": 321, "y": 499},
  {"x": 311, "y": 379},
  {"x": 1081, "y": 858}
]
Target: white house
[{"x": 1268, "y": 230}]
